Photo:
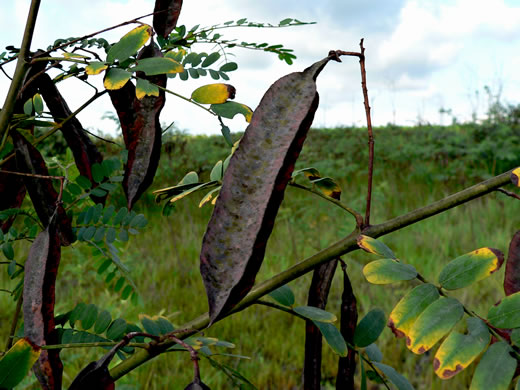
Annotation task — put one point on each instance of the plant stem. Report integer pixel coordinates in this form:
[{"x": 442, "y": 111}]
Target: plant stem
[
  {"x": 59, "y": 125},
  {"x": 14, "y": 323},
  {"x": 357, "y": 216},
  {"x": 92, "y": 345},
  {"x": 185, "y": 98},
  {"x": 341, "y": 247},
  {"x": 22, "y": 65},
  {"x": 280, "y": 307}
]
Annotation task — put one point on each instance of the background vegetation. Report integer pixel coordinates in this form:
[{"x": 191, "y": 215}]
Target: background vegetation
[{"x": 414, "y": 166}]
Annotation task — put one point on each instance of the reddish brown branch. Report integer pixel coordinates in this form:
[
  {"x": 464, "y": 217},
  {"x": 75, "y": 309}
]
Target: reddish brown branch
[
  {"x": 508, "y": 193},
  {"x": 335, "y": 54}
]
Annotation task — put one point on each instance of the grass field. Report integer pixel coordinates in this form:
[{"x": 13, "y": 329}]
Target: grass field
[{"x": 164, "y": 259}]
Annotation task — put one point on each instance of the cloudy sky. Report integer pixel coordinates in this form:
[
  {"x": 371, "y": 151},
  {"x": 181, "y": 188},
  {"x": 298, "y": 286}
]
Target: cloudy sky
[{"x": 421, "y": 55}]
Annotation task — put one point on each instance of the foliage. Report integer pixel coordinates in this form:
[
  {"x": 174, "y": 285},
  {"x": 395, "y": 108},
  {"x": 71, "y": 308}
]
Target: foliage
[{"x": 73, "y": 204}]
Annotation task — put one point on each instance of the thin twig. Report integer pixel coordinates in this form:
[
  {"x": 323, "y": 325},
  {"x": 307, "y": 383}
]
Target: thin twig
[
  {"x": 33, "y": 175},
  {"x": 5, "y": 73},
  {"x": 361, "y": 57},
  {"x": 101, "y": 138},
  {"x": 59, "y": 125},
  {"x": 9, "y": 262},
  {"x": 185, "y": 98},
  {"x": 354, "y": 213},
  {"x": 508, "y": 193}
]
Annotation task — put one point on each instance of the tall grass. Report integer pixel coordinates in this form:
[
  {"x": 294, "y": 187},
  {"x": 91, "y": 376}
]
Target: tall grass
[{"x": 164, "y": 259}]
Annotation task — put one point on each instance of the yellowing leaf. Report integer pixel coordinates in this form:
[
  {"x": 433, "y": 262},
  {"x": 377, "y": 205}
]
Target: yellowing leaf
[
  {"x": 230, "y": 109},
  {"x": 157, "y": 65},
  {"x": 406, "y": 312},
  {"x": 328, "y": 186},
  {"x": 129, "y": 44},
  {"x": 145, "y": 88},
  {"x": 74, "y": 55},
  {"x": 470, "y": 268},
  {"x": 387, "y": 271},
  {"x": 458, "y": 350},
  {"x": 209, "y": 196},
  {"x": 213, "y": 93},
  {"x": 17, "y": 362},
  {"x": 116, "y": 78},
  {"x": 96, "y": 68},
  {"x": 371, "y": 245},
  {"x": 433, "y": 324}
]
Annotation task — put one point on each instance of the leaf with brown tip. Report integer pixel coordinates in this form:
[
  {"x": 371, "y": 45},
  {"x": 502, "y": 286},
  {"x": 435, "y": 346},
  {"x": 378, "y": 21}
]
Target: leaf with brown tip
[
  {"x": 43, "y": 195},
  {"x": 164, "y": 22},
  {"x": 253, "y": 187},
  {"x": 141, "y": 131},
  {"x": 41, "y": 269},
  {"x": 512, "y": 275}
]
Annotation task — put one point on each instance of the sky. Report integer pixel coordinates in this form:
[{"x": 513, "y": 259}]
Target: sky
[{"x": 421, "y": 56}]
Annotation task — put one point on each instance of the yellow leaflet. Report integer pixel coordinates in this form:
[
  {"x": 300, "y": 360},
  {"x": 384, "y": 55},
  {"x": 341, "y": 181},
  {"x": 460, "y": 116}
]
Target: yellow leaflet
[
  {"x": 116, "y": 78},
  {"x": 95, "y": 68},
  {"x": 216, "y": 93},
  {"x": 145, "y": 88}
]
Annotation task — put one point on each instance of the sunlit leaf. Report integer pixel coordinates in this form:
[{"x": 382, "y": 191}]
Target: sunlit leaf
[
  {"x": 410, "y": 307},
  {"x": 506, "y": 314},
  {"x": 129, "y": 44},
  {"x": 38, "y": 103},
  {"x": 433, "y": 324},
  {"x": 116, "y": 78},
  {"x": 217, "y": 172},
  {"x": 387, "y": 271},
  {"x": 230, "y": 109},
  {"x": 157, "y": 65},
  {"x": 496, "y": 368},
  {"x": 145, "y": 88},
  {"x": 213, "y": 93},
  {"x": 96, "y": 67},
  {"x": 17, "y": 362},
  {"x": 470, "y": 268},
  {"x": 459, "y": 350},
  {"x": 371, "y": 245}
]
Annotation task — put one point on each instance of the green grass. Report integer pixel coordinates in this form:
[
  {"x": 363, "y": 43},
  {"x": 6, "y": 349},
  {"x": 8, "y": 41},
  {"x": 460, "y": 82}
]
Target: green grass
[{"x": 164, "y": 263}]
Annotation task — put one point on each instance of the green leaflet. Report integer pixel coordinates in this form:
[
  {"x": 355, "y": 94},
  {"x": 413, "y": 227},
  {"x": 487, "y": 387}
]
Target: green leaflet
[
  {"x": 130, "y": 43},
  {"x": 459, "y": 350},
  {"x": 387, "y": 271},
  {"x": 495, "y": 370},
  {"x": 369, "y": 328},
  {"x": 470, "y": 268},
  {"x": 507, "y": 313},
  {"x": 333, "y": 337}
]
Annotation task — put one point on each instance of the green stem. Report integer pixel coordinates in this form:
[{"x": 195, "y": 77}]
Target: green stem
[
  {"x": 93, "y": 345},
  {"x": 185, "y": 98},
  {"x": 14, "y": 323},
  {"x": 339, "y": 248},
  {"x": 281, "y": 308},
  {"x": 76, "y": 60},
  {"x": 61, "y": 124},
  {"x": 22, "y": 66},
  {"x": 357, "y": 216}
]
